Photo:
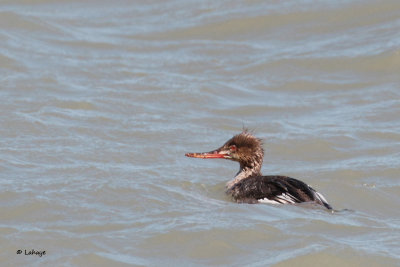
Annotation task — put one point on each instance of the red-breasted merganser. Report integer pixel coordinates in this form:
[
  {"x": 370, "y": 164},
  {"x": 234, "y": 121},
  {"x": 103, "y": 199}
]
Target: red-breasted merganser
[{"x": 249, "y": 186}]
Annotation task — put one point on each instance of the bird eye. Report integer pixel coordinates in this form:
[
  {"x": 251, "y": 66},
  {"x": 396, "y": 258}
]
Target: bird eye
[{"x": 232, "y": 148}]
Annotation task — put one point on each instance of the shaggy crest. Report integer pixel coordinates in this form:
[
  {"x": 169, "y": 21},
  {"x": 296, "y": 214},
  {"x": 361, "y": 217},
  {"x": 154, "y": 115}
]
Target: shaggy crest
[
  {"x": 249, "y": 149},
  {"x": 248, "y": 152}
]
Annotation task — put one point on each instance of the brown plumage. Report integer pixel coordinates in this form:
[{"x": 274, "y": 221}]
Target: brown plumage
[{"x": 249, "y": 185}]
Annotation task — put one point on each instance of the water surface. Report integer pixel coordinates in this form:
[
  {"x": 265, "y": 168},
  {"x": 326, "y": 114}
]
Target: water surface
[{"x": 100, "y": 101}]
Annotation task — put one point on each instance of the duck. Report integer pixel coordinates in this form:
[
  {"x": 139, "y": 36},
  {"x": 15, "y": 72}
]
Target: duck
[{"x": 249, "y": 185}]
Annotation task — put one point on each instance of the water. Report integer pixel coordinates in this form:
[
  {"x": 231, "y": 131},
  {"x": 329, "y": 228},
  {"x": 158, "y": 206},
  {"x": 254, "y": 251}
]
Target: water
[{"x": 100, "y": 101}]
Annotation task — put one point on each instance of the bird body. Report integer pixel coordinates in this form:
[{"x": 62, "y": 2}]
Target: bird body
[{"x": 249, "y": 185}]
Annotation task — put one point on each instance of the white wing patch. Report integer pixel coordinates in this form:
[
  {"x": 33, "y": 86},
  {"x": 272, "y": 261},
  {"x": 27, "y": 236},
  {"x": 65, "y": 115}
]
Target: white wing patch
[
  {"x": 280, "y": 199},
  {"x": 268, "y": 201},
  {"x": 286, "y": 198}
]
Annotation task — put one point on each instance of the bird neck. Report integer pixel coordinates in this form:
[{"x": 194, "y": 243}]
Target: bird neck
[{"x": 246, "y": 171}]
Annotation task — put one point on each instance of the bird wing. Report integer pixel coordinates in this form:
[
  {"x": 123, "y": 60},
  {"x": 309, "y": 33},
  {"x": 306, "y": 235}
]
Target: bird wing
[{"x": 275, "y": 189}]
